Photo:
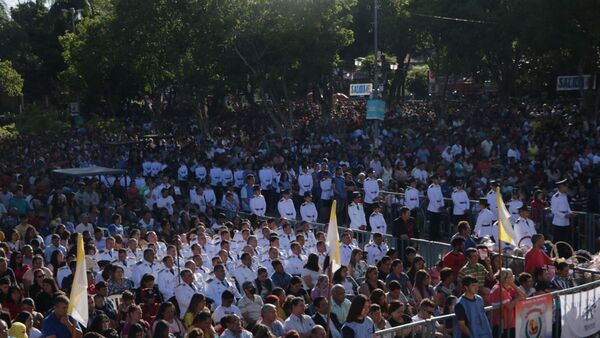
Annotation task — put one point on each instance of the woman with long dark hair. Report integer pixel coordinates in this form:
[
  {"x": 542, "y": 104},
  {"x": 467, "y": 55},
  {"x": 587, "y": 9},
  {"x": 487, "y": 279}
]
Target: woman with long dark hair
[
  {"x": 161, "y": 330},
  {"x": 16, "y": 264},
  {"x": 44, "y": 298},
  {"x": 397, "y": 316},
  {"x": 311, "y": 272},
  {"x": 422, "y": 288},
  {"x": 166, "y": 314},
  {"x": 371, "y": 282},
  {"x": 101, "y": 324},
  {"x": 417, "y": 264},
  {"x": 117, "y": 282},
  {"x": 197, "y": 305},
  {"x": 358, "y": 324},
  {"x": 341, "y": 276},
  {"x": 357, "y": 266},
  {"x": 57, "y": 261}
]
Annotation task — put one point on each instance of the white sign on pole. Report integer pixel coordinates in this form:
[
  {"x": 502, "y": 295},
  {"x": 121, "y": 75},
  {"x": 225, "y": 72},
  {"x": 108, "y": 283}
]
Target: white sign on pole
[
  {"x": 361, "y": 89},
  {"x": 574, "y": 82}
]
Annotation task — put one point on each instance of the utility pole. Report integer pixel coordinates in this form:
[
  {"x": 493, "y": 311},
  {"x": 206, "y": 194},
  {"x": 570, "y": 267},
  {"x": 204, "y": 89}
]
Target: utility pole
[{"x": 375, "y": 95}]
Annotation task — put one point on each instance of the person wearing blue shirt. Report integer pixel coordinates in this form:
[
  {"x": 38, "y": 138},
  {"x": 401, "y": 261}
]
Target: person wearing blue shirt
[
  {"x": 280, "y": 278},
  {"x": 58, "y": 324},
  {"x": 340, "y": 194},
  {"x": 116, "y": 228},
  {"x": 54, "y": 245},
  {"x": 470, "y": 319}
]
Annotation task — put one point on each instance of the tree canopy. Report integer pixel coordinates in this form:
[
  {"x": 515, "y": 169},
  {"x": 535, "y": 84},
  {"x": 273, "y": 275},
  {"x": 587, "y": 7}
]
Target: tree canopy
[{"x": 194, "y": 53}]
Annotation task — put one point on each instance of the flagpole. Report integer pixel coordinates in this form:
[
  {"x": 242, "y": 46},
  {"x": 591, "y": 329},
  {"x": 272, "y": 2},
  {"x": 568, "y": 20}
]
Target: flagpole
[
  {"x": 498, "y": 196},
  {"x": 179, "y": 266},
  {"x": 330, "y": 299},
  {"x": 333, "y": 253}
]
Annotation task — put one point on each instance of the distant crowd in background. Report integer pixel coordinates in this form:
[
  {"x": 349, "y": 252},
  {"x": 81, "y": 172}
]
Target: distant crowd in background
[{"x": 213, "y": 231}]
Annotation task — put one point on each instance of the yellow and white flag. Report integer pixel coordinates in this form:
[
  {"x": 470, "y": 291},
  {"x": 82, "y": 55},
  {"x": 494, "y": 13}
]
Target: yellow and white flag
[
  {"x": 505, "y": 229},
  {"x": 333, "y": 240},
  {"x": 78, "y": 302}
]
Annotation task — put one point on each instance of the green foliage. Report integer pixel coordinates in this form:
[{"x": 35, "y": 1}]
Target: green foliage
[
  {"x": 8, "y": 132},
  {"x": 417, "y": 80},
  {"x": 40, "y": 121},
  {"x": 11, "y": 83},
  {"x": 106, "y": 126}
]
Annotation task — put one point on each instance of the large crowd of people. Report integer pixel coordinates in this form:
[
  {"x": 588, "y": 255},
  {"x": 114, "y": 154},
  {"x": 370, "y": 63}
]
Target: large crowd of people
[{"x": 212, "y": 230}]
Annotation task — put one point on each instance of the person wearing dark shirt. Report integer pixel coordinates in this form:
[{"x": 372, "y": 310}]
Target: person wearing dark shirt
[
  {"x": 404, "y": 227},
  {"x": 470, "y": 319}
]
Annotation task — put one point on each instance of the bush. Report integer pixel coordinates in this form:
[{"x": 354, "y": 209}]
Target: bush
[
  {"x": 8, "y": 132},
  {"x": 39, "y": 121},
  {"x": 417, "y": 81}
]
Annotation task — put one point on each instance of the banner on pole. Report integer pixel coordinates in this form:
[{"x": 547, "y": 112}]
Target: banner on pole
[
  {"x": 534, "y": 317},
  {"x": 375, "y": 110},
  {"x": 580, "y": 313}
]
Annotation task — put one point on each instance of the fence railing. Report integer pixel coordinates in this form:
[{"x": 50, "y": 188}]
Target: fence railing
[
  {"x": 431, "y": 327},
  {"x": 586, "y": 226}
]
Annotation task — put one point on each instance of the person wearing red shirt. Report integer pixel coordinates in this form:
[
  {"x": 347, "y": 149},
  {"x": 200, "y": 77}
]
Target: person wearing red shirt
[
  {"x": 536, "y": 257},
  {"x": 455, "y": 259},
  {"x": 505, "y": 292}
]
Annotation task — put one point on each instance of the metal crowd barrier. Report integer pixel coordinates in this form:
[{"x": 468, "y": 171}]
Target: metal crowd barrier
[
  {"x": 427, "y": 328},
  {"x": 586, "y": 233}
]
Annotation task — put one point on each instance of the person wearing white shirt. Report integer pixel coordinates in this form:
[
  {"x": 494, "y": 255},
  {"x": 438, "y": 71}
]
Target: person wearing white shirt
[
  {"x": 209, "y": 196},
  {"x": 460, "y": 202},
  {"x": 147, "y": 168},
  {"x": 287, "y": 236},
  {"x": 227, "y": 176},
  {"x": 376, "y": 249},
  {"x": 435, "y": 207},
  {"x": 371, "y": 188},
  {"x": 419, "y": 173},
  {"x": 157, "y": 167},
  {"x": 356, "y": 213},
  {"x": 411, "y": 196},
  {"x": 146, "y": 266},
  {"x": 239, "y": 177},
  {"x": 376, "y": 220},
  {"x": 514, "y": 205},
  {"x": 296, "y": 261},
  {"x": 326, "y": 185},
  {"x": 308, "y": 210},
  {"x": 524, "y": 228},
  {"x": 561, "y": 217},
  {"x": 245, "y": 272},
  {"x": 84, "y": 225},
  {"x": 346, "y": 248},
  {"x": 165, "y": 201},
  {"x": 219, "y": 284},
  {"x": 216, "y": 176},
  {"x": 305, "y": 181},
  {"x": 200, "y": 173},
  {"x": 492, "y": 198},
  {"x": 286, "y": 207},
  {"x": 258, "y": 204},
  {"x": 298, "y": 321},
  {"x": 182, "y": 173},
  {"x": 485, "y": 222},
  {"x": 109, "y": 253},
  {"x": 185, "y": 291},
  {"x": 167, "y": 278}
]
